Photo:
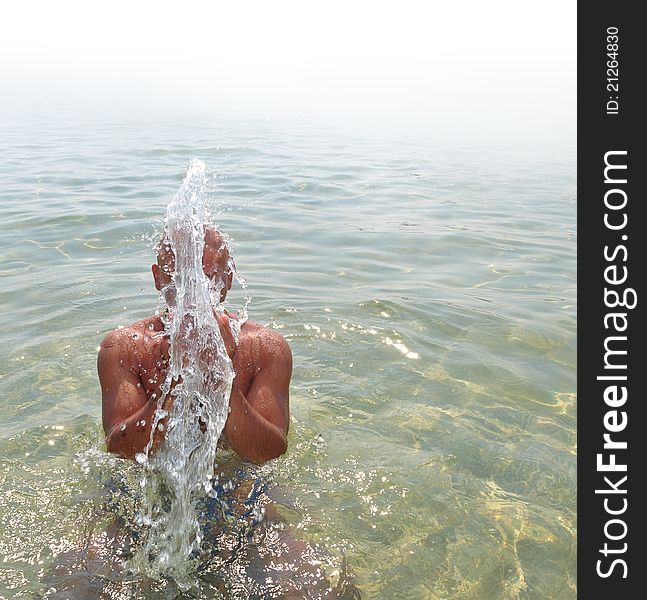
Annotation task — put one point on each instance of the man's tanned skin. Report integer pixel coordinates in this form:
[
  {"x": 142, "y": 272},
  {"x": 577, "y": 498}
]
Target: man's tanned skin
[{"x": 133, "y": 360}]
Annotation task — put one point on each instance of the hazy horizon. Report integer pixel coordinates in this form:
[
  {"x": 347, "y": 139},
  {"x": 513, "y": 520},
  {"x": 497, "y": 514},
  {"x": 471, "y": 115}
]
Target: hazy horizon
[{"x": 477, "y": 72}]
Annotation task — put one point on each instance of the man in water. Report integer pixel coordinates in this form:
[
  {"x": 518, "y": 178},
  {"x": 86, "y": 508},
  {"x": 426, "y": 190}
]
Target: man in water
[
  {"x": 132, "y": 367},
  {"x": 133, "y": 360}
]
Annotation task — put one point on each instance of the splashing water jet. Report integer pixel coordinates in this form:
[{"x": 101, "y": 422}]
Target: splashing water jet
[{"x": 199, "y": 378}]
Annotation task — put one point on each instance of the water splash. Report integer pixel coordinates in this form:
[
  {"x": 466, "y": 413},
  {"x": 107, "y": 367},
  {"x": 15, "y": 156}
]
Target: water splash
[{"x": 199, "y": 379}]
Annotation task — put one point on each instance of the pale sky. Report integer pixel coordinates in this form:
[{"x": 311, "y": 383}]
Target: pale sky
[{"x": 496, "y": 66}]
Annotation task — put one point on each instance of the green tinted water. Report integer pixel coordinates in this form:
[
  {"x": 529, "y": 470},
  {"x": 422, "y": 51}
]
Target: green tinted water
[{"x": 428, "y": 294}]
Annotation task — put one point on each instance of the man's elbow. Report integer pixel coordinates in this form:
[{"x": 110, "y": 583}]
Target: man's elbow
[
  {"x": 114, "y": 446},
  {"x": 278, "y": 447},
  {"x": 111, "y": 445},
  {"x": 281, "y": 447}
]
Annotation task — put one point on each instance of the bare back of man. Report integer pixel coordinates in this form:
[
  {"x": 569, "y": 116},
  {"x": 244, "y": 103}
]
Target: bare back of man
[{"x": 132, "y": 368}]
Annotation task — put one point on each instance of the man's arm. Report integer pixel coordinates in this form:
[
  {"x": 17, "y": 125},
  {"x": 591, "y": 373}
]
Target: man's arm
[
  {"x": 257, "y": 425},
  {"x": 127, "y": 412}
]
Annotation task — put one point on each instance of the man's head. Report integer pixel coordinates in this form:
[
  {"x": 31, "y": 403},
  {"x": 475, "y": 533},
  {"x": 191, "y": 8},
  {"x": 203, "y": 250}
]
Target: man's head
[{"x": 215, "y": 261}]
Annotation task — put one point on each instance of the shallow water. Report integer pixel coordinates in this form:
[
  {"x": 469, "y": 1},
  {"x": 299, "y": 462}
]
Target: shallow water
[{"x": 427, "y": 292}]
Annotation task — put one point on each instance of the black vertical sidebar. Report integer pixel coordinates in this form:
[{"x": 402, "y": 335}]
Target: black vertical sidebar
[{"x": 612, "y": 384}]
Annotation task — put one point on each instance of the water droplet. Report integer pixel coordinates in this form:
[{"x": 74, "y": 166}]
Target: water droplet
[
  {"x": 258, "y": 514},
  {"x": 160, "y": 426},
  {"x": 151, "y": 327},
  {"x": 135, "y": 336}
]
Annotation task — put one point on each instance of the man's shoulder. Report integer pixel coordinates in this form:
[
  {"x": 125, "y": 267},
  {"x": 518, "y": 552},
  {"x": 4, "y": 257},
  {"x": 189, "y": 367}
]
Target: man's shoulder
[
  {"x": 271, "y": 342},
  {"x": 256, "y": 330},
  {"x": 123, "y": 335}
]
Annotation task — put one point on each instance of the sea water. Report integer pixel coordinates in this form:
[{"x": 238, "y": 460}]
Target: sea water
[{"x": 444, "y": 471}]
